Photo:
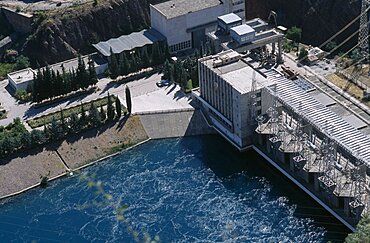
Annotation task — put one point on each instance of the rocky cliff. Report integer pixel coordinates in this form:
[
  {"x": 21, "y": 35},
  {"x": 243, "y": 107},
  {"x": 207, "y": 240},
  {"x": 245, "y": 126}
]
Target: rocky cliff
[
  {"x": 65, "y": 33},
  {"x": 319, "y": 19}
]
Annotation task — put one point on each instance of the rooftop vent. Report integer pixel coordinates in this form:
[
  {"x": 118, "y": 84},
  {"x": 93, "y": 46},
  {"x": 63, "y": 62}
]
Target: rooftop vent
[{"x": 226, "y": 58}]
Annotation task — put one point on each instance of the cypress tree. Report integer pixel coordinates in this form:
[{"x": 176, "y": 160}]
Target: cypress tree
[
  {"x": 113, "y": 65},
  {"x": 145, "y": 58},
  {"x": 118, "y": 108},
  {"x": 128, "y": 99},
  {"x": 83, "y": 117},
  {"x": 63, "y": 121},
  {"x": 167, "y": 70},
  {"x": 103, "y": 115},
  {"x": 110, "y": 109},
  {"x": 93, "y": 80},
  {"x": 156, "y": 58}
]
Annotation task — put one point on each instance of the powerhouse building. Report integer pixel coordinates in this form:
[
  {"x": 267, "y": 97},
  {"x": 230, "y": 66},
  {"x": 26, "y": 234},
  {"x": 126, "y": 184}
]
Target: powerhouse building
[
  {"x": 293, "y": 126},
  {"x": 230, "y": 97},
  {"x": 185, "y": 23}
]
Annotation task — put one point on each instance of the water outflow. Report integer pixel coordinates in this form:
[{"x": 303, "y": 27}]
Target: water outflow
[{"x": 196, "y": 189}]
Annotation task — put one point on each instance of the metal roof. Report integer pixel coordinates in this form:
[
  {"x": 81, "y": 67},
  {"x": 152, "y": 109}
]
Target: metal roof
[
  {"x": 242, "y": 29},
  {"x": 176, "y": 8},
  {"x": 229, "y": 18},
  {"x": 129, "y": 42},
  {"x": 321, "y": 117}
]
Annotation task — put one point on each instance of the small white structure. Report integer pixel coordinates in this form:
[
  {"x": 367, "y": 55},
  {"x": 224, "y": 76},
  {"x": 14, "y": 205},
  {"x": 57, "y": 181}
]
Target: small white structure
[
  {"x": 20, "y": 80},
  {"x": 184, "y": 23},
  {"x": 242, "y": 34},
  {"x": 226, "y": 22},
  {"x": 315, "y": 54}
]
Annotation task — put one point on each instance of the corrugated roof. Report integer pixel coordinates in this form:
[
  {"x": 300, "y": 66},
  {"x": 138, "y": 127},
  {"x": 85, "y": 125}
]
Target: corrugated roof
[
  {"x": 325, "y": 120},
  {"x": 175, "y": 8},
  {"x": 230, "y": 18},
  {"x": 129, "y": 42}
]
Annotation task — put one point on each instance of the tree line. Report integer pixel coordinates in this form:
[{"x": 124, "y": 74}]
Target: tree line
[
  {"x": 15, "y": 136},
  {"x": 129, "y": 62},
  {"x": 183, "y": 72},
  {"x": 48, "y": 84}
]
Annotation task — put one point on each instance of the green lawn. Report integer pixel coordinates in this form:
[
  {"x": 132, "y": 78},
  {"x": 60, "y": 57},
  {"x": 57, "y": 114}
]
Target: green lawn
[
  {"x": 5, "y": 68},
  {"x": 41, "y": 121}
]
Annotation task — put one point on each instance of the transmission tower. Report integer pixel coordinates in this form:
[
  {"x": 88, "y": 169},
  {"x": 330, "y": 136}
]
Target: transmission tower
[{"x": 363, "y": 37}]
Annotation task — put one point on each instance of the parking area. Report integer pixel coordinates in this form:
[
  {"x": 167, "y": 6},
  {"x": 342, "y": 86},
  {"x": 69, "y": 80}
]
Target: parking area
[{"x": 167, "y": 98}]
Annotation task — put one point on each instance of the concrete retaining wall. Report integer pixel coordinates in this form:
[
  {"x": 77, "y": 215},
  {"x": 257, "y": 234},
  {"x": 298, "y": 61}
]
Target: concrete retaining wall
[
  {"x": 175, "y": 124},
  {"x": 21, "y": 22}
]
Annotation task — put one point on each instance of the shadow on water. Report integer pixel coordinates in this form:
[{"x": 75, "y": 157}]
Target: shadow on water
[{"x": 230, "y": 162}]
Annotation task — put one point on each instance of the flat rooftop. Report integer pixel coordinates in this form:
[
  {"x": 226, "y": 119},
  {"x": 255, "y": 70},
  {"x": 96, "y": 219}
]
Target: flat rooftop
[
  {"x": 21, "y": 76},
  {"x": 229, "y": 18},
  {"x": 239, "y": 75},
  {"x": 176, "y": 8},
  {"x": 242, "y": 29}
]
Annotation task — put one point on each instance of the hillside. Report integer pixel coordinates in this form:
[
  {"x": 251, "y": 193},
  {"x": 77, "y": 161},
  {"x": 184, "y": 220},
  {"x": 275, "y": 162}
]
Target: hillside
[
  {"x": 319, "y": 19},
  {"x": 64, "y": 33}
]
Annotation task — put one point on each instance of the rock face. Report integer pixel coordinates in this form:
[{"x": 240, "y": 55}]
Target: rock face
[
  {"x": 68, "y": 32},
  {"x": 319, "y": 19}
]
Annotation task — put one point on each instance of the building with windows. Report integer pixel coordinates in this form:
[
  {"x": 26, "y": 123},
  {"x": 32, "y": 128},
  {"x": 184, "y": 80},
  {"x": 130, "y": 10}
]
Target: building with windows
[
  {"x": 185, "y": 23},
  {"x": 231, "y": 92}
]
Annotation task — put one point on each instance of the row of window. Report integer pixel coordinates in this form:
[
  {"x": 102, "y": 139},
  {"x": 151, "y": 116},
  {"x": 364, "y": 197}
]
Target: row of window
[
  {"x": 238, "y": 2},
  {"x": 238, "y": 11},
  {"x": 180, "y": 46}
]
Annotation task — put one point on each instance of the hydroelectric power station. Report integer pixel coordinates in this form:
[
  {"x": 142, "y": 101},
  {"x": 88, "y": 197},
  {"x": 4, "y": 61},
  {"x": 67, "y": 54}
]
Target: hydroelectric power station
[{"x": 290, "y": 123}]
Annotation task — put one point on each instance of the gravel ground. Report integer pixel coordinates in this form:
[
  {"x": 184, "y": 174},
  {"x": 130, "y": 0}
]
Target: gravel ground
[
  {"x": 27, "y": 169},
  {"x": 81, "y": 149}
]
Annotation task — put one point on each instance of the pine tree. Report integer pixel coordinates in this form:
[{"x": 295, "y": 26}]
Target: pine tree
[
  {"x": 26, "y": 139},
  {"x": 56, "y": 131},
  {"x": 74, "y": 123},
  {"x": 113, "y": 65},
  {"x": 110, "y": 109},
  {"x": 94, "y": 116},
  {"x": 118, "y": 108},
  {"x": 38, "y": 137},
  {"x": 128, "y": 99}
]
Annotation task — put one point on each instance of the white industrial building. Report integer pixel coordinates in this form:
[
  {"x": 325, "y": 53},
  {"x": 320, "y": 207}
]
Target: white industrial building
[
  {"x": 20, "y": 80},
  {"x": 232, "y": 92},
  {"x": 184, "y": 23}
]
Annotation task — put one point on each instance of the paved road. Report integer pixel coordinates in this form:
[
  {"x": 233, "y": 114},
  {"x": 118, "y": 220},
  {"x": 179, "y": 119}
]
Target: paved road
[{"x": 26, "y": 111}]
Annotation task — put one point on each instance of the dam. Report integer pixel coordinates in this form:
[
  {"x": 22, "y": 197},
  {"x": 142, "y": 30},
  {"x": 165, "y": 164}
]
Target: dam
[{"x": 322, "y": 149}]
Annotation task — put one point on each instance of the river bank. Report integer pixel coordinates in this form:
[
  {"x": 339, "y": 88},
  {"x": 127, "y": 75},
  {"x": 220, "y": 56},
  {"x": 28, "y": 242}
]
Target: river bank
[{"x": 23, "y": 171}]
